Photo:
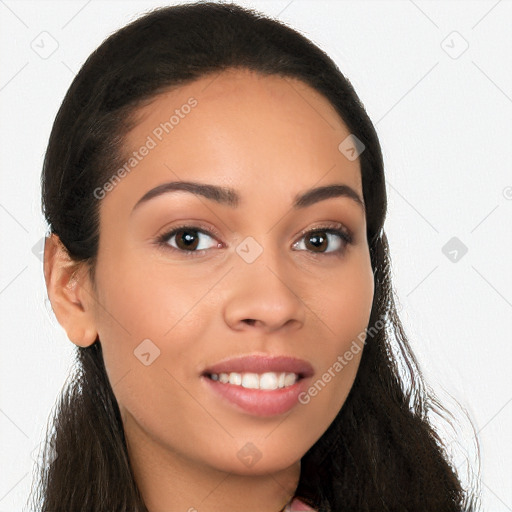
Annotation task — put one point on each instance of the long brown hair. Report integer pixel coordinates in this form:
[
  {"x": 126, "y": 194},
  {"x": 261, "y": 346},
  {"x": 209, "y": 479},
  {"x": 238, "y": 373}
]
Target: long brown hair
[{"x": 381, "y": 452}]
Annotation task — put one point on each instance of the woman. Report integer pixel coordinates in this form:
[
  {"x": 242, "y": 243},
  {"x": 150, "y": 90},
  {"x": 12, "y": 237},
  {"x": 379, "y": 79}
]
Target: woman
[{"x": 216, "y": 200}]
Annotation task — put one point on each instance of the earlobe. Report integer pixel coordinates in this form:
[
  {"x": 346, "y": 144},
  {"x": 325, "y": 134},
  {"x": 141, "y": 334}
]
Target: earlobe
[{"x": 71, "y": 302}]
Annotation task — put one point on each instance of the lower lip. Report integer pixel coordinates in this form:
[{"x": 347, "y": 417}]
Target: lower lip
[{"x": 259, "y": 402}]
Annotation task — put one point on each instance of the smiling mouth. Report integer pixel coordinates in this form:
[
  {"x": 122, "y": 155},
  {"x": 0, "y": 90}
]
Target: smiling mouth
[
  {"x": 264, "y": 394},
  {"x": 267, "y": 381}
]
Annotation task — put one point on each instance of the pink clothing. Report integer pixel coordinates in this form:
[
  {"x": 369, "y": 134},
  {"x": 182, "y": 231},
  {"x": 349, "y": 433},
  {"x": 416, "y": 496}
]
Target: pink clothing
[{"x": 297, "y": 505}]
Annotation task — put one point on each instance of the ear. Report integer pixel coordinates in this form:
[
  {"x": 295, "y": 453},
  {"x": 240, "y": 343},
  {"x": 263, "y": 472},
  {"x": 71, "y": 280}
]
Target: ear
[{"x": 69, "y": 291}]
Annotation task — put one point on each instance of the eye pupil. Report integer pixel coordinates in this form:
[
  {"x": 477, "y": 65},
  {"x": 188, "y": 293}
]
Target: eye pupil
[
  {"x": 187, "y": 238},
  {"x": 318, "y": 241}
]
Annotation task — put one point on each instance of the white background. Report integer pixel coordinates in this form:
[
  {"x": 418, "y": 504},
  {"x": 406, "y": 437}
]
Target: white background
[{"x": 446, "y": 131}]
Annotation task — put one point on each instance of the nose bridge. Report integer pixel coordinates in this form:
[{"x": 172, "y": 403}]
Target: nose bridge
[
  {"x": 262, "y": 290},
  {"x": 262, "y": 260}
]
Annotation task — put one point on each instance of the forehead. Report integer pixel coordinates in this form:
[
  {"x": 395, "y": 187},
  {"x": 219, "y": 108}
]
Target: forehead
[{"x": 241, "y": 128}]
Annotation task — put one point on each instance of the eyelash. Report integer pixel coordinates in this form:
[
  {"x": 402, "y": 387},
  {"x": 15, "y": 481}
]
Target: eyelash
[{"x": 344, "y": 234}]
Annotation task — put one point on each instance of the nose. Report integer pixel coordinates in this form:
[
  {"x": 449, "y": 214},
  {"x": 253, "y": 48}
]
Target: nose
[{"x": 262, "y": 299}]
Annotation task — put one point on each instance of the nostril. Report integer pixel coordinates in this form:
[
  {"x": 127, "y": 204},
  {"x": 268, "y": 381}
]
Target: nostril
[{"x": 250, "y": 321}]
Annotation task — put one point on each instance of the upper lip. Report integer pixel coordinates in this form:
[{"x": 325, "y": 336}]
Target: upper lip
[{"x": 262, "y": 364}]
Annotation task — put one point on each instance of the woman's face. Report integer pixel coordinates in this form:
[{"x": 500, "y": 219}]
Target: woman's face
[{"x": 242, "y": 278}]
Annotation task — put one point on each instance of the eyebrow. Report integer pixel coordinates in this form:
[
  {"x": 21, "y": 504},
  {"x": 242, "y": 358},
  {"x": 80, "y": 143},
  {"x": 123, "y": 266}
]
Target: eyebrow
[{"x": 229, "y": 197}]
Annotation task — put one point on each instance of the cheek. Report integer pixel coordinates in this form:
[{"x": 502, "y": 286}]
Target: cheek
[
  {"x": 130, "y": 320},
  {"x": 146, "y": 325},
  {"x": 347, "y": 302},
  {"x": 141, "y": 300},
  {"x": 345, "y": 313}
]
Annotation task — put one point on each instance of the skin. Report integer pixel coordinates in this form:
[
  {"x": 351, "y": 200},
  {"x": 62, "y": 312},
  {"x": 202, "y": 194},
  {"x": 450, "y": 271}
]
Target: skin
[{"x": 269, "y": 138}]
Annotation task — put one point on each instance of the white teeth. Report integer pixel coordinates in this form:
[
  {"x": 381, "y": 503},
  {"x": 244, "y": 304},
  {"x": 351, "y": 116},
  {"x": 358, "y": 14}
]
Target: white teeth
[
  {"x": 266, "y": 381},
  {"x": 289, "y": 379},
  {"x": 250, "y": 381},
  {"x": 235, "y": 378}
]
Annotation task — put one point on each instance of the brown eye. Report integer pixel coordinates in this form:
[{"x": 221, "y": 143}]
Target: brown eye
[
  {"x": 324, "y": 241},
  {"x": 316, "y": 241},
  {"x": 186, "y": 239}
]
